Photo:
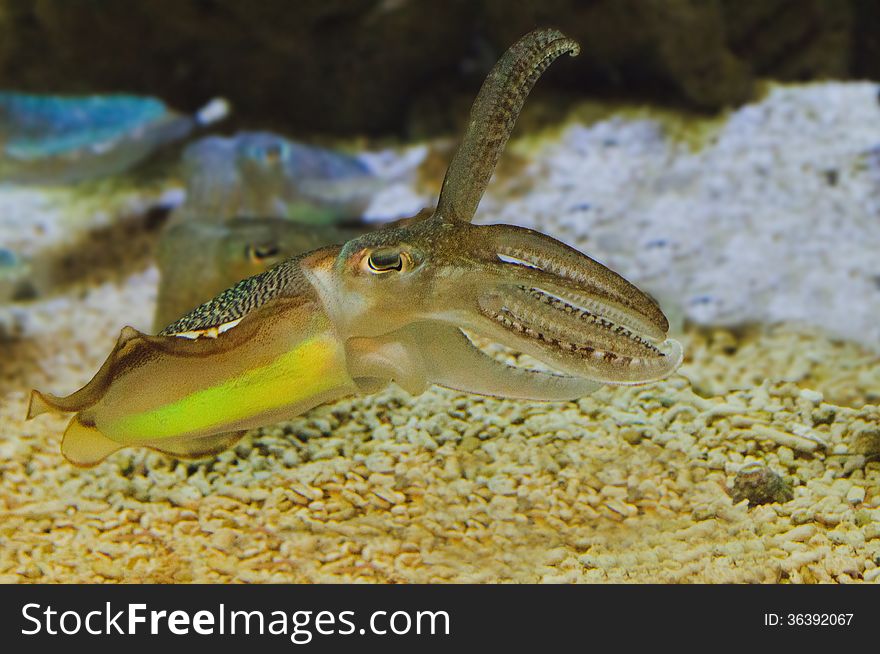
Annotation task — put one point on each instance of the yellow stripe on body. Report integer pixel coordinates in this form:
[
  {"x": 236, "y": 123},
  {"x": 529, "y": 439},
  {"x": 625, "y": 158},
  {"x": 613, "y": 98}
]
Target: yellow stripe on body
[{"x": 311, "y": 368}]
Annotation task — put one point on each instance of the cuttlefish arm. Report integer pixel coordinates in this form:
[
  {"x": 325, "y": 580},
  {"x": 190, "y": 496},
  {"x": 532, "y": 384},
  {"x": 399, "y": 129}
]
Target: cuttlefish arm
[
  {"x": 261, "y": 352},
  {"x": 422, "y": 354},
  {"x": 492, "y": 118}
]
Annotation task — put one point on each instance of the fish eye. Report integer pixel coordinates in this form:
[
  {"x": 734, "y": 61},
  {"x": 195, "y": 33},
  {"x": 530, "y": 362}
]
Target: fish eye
[
  {"x": 386, "y": 260},
  {"x": 258, "y": 253}
]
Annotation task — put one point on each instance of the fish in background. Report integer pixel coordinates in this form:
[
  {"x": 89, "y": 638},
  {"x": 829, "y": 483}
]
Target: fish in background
[
  {"x": 51, "y": 139},
  {"x": 198, "y": 259},
  {"x": 263, "y": 174}
]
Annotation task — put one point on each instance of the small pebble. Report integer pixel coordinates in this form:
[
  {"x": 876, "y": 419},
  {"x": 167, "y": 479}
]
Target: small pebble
[
  {"x": 760, "y": 485},
  {"x": 856, "y": 495}
]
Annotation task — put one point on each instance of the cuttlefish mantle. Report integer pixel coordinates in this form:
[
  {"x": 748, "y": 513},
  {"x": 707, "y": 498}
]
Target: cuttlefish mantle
[{"x": 391, "y": 305}]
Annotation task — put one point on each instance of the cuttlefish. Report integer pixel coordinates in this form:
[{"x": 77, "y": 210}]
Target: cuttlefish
[{"x": 391, "y": 305}]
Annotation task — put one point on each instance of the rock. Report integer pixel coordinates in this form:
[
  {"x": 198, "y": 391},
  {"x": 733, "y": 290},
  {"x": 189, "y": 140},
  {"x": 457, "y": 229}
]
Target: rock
[
  {"x": 760, "y": 485},
  {"x": 865, "y": 439},
  {"x": 855, "y": 495}
]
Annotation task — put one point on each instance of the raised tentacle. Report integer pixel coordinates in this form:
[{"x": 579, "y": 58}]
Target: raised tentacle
[{"x": 492, "y": 117}]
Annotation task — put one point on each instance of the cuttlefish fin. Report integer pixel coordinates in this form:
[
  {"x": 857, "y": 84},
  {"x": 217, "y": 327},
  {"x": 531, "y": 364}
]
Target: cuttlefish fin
[
  {"x": 86, "y": 396},
  {"x": 85, "y": 446},
  {"x": 198, "y": 448},
  {"x": 41, "y": 403}
]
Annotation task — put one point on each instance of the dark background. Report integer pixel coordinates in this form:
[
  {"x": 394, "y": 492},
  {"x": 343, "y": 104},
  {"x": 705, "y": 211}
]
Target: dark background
[{"x": 346, "y": 67}]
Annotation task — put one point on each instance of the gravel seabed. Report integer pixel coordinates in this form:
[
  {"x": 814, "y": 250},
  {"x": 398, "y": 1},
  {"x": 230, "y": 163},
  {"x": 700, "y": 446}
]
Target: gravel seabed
[{"x": 626, "y": 485}]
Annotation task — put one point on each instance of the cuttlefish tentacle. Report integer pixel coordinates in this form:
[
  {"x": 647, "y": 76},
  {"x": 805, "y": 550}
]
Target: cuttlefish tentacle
[
  {"x": 427, "y": 353},
  {"x": 492, "y": 116},
  {"x": 391, "y": 305}
]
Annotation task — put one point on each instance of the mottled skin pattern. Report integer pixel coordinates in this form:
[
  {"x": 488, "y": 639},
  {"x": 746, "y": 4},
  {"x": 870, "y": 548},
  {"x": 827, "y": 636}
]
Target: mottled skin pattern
[
  {"x": 199, "y": 260},
  {"x": 392, "y": 305},
  {"x": 244, "y": 297}
]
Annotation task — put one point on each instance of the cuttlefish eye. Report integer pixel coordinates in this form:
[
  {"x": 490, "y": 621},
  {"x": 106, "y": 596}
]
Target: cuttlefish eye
[
  {"x": 259, "y": 252},
  {"x": 387, "y": 260}
]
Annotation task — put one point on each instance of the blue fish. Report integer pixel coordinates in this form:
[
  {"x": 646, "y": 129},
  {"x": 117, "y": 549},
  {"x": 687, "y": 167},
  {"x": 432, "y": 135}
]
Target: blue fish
[{"x": 48, "y": 139}]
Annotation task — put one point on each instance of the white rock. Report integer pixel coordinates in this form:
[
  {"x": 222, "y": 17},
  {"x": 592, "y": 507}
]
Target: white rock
[{"x": 856, "y": 495}]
